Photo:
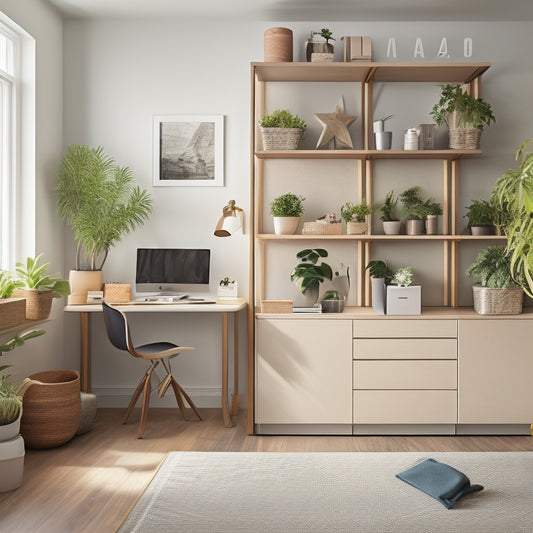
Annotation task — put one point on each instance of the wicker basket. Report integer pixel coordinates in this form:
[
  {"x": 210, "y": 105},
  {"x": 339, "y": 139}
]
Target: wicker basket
[
  {"x": 465, "y": 139},
  {"x": 489, "y": 301},
  {"x": 117, "y": 293},
  {"x": 51, "y": 408},
  {"x": 317, "y": 228},
  {"x": 280, "y": 138},
  {"x": 38, "y": 303}
]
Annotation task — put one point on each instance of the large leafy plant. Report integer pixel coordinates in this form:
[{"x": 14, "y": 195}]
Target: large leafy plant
[
  {"x": 100, "y": 201},
  {"x": 492, "y": 268},
  {"x": 34, "y": 275},
  {"x": 311, "y": 271}
]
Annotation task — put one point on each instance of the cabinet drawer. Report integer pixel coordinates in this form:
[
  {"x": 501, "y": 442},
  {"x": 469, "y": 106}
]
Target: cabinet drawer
[
  {"x": 405, "y": 375},
  {"x": 404, "y": 328},
  {"x": 405, "y": 407},
  {"x": 405, "y": 348}
]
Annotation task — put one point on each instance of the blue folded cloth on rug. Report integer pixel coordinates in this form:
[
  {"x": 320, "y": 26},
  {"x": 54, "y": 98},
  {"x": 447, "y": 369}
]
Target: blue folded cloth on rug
[{"x": 440, "y": 481}]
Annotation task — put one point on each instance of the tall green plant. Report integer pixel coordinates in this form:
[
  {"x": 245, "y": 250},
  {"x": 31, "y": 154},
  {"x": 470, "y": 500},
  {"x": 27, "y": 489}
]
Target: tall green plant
[
  {"x": 100, "y": 201},
  {"x": 309, "y": 273},
  {"x": 513, "y": 192}
]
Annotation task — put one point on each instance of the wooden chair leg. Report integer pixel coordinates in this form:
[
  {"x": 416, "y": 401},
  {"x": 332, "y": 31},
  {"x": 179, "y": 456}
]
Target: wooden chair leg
[
  {"x": 145, "y": 404},
  {"x": 187, "y": 397},
  {"x": 134, "y": 398},
  {"x": 179, "y": 399},
  {"x": 164, "y": 385}
]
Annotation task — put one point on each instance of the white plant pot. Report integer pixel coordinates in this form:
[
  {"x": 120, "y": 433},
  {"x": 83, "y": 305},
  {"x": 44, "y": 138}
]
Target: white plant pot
[
  {"x": 10, "y": 431},
  {"x": 11, "y": 463},
  {"x": 392, "y": 227},
  {"x": 286, "y": 225}
]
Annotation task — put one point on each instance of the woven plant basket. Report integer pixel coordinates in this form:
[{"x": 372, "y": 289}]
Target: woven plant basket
[
  {"x": 280, "y": 138},
  {"x": 489, "y": 301},
  {"x": 38, "y": 303},
  {"x": 465, "y": 139},
  {"x": 51, "y": 408}
]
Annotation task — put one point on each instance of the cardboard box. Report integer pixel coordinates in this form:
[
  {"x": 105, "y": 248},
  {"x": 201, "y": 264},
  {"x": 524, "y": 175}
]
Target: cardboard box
[
  {"x": 276, "y": 306},
  {"x": 357, "y": 49},
  {"x": 404, "y": 300}
]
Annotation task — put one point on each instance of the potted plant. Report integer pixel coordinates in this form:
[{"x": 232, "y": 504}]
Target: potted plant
[
  {"x": 39, "y": 288},
  {"x": 310, "y": 272},
  {"x": 480, "y": 217},
  {"x": 463, "y": 114},
  {"x": 495, "y": 292},
  {"x": 414, "y": 210},
  {"x": 433, "y": 210},
  {"x": 286, "y": 211},
  {"x": 332, "y": 302},
  {"x": 282, "y": 130},
  {"x": 318, "y": 48},
  {"x": 12, "y": 310},
  {"x": 381, "y": 276},
  {"x": 403, "y": 298},
  {"x": 513, "y": 193},
  {"x": 101, "y": 203},
  {"x": 11, "y": 443},
  {"x": 389, "y": 215},
  {"x": 355, "y": 217}
]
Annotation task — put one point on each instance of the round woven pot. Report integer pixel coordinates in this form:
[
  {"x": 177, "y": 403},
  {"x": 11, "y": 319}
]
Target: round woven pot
[
  {"x": 465, "y": 139},
  {"x": 38, "y": 303},
  {"x": 280, "y": 138},
  {"x": 51, "y": 408}
]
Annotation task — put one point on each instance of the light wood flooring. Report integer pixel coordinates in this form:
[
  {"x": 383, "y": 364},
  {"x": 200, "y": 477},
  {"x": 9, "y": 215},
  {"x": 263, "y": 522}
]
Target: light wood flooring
[{"x": 89, "y": 485}]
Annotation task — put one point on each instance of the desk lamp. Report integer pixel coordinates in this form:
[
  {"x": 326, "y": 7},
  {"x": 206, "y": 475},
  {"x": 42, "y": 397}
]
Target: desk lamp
[{"x": 231, "y": 221}]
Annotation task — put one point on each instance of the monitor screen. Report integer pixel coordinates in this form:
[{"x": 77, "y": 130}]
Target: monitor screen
[{"x": 164, "y": 268}]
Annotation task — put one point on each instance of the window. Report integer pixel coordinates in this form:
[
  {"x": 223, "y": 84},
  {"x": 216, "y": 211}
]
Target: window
[{"x": 9, "y": 82}]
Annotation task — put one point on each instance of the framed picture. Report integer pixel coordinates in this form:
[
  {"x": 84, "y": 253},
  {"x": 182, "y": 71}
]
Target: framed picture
[{"x": 188, "y": 151}]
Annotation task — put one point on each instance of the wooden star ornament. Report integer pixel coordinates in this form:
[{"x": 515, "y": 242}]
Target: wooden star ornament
[{"x": 335, "y": 127}]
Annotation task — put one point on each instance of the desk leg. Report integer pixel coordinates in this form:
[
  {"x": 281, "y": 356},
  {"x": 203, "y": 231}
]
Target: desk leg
[
  {"x": 236, "y": 397},
  {"x": 225, "y": 401},
  {"x": 85, "y": 363}
]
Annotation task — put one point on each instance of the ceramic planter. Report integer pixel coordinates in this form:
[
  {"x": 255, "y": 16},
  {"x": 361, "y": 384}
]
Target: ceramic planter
[
  {"x": 482, "y": 230},
  {"x": 415, "y": 227},
  {"x": 286, "y": 225},
  {"x": 392, "y": 227},
  {"x": 431, "y": 225},
  {"x": 11, "y": 463},
  {"x": 82, "y": 281},
  {"x": 379, "y": 295}
]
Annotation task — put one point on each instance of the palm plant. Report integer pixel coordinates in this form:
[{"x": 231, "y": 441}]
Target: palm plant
[{"x": 100, "y": 201}]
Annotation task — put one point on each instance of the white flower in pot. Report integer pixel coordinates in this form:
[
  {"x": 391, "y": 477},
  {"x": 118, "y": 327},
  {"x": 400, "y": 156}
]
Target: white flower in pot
[{"x": 286, "y": 211}]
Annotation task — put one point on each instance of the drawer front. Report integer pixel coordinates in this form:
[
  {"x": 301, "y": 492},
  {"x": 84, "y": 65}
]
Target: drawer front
[
  {"x": 405, "y": 348},
  {"x": 405, "y": 407},
  {"x": 384, "y": 375},
  {"x": 404, "y": 328}
]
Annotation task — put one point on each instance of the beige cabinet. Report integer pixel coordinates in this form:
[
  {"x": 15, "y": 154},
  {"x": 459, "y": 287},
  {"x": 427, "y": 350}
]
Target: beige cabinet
[
  {"x": 304, "y": 373},
  {"x": 495, "y": 371}
]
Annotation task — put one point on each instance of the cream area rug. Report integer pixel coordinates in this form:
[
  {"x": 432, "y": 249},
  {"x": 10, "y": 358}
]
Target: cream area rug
[{"x": 219, "y": 492}]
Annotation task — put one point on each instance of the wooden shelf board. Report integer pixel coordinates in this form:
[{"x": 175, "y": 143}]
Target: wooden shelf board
[
  {"x": 370, "y": 71},
  {"x": 368, "y": 154},
  {"x": 439, "y": 237}
]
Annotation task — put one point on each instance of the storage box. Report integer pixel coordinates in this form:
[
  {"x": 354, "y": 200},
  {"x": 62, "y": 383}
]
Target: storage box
[
  {"x": 318, "y": 228},
  {"x": 404, "y": 300},
  {"x": 357, "y": 49},
  {"x": 228, "y": 292},
  {"x": 117, "y": 293},
  {"x": 276, "y": 306}
]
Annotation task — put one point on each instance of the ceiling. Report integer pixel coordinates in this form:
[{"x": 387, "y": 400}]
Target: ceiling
[{"x": 303, "y": 10}]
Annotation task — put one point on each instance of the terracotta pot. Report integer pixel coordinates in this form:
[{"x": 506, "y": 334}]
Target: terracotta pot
[{"x": 82, "y": 281}]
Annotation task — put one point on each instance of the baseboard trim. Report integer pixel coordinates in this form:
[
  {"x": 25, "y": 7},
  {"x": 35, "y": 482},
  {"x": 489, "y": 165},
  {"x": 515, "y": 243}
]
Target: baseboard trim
[
  {"x": 303, "y": 429},
  {"x": 494, "y": 429},
  {"x": 404, "y": 429}
]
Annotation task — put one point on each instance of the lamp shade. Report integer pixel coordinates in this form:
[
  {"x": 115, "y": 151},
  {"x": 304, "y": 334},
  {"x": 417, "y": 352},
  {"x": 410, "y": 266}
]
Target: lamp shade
[{"x": 231, "y": 220}]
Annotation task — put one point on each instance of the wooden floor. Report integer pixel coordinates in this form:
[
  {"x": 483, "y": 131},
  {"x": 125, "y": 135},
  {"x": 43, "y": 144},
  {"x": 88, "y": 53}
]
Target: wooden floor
[{"x": 89, "y": 485}]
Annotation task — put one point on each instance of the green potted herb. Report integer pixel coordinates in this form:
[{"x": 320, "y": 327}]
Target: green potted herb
[
  {"x": 495, "y": 292},
  {"x": 281, "y": 130},
  {"x": 355, "y": 217},
  {"x": 286, "y": 211},
  {"x": 39, "y": 287},
  {"x": 414, "y": 210},
  {"x": 101, "y": 202},
  {"x": 380, "y": 276},
  {"x": 332, "y": 302},
  {"x": 318, "y": 43},
  {"x": 433, "y": 210},
  {"x": 463, "y": 114},
  {"x": 311, "y": 271},
  {"x": 480, "y": 217},
  {"x": 389, "y": 215}
]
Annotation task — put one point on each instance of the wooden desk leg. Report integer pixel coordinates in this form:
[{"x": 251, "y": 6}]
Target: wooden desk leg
[
  {"x": 225, "y": 401},
  {"x": 236, "y": 397},
  {"x": 85, "y": 362}
]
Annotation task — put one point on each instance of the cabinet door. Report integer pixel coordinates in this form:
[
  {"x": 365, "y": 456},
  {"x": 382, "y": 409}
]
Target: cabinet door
[
  {"x": 304, "y": 371},
  {"x": 495, "y": 371}
]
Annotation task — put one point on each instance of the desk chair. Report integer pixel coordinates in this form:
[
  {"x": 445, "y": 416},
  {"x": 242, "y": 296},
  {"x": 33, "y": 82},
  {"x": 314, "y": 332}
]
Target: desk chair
[{"x": 118, "y": 332}]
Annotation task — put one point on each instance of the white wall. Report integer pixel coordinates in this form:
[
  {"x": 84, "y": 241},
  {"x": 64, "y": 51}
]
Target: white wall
[
  {"x": 45, "y": 26},
  {"x": 119, "y": 73}
]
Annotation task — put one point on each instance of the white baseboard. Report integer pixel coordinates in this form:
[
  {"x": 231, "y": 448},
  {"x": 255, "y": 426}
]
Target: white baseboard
[{"x": 207, "y": 397}]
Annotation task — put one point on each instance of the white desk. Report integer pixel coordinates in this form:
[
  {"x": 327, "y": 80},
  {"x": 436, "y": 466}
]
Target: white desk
[{"x": 223, "y": 308}]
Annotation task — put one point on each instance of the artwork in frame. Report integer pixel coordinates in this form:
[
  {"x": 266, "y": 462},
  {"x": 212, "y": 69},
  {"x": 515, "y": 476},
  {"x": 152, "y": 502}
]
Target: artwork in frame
[{"x": 189, "y": 150}]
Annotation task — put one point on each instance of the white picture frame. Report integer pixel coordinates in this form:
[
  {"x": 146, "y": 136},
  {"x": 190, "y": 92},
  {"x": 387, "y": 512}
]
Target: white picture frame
[{"x": 188, "y": 150}]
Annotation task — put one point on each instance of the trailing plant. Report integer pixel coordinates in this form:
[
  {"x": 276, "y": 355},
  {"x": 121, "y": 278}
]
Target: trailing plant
[
  {"x": 388, "y": 208},
  {"x": 470, "y": 111},
  {"x": 283, "y": 118},
  {"x": 34, "y": 276},
  {"x": 514, "y": 191},
  {"x": 357, "y": 212},
  {"x": 492, "y": 268},
  {"x": 100, "y": 201},
  {"x": 379, "y": 269},
  {"x": 287, "y": 205},
  {"x": 480, "y": 213},
  {"x": 311, "y": 271},
  {"x": 8, "y": 284}
]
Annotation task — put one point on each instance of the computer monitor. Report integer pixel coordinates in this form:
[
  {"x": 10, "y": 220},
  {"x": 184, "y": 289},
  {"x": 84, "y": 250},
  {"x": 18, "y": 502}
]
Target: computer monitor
[{"x": 171, "y": 271}]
